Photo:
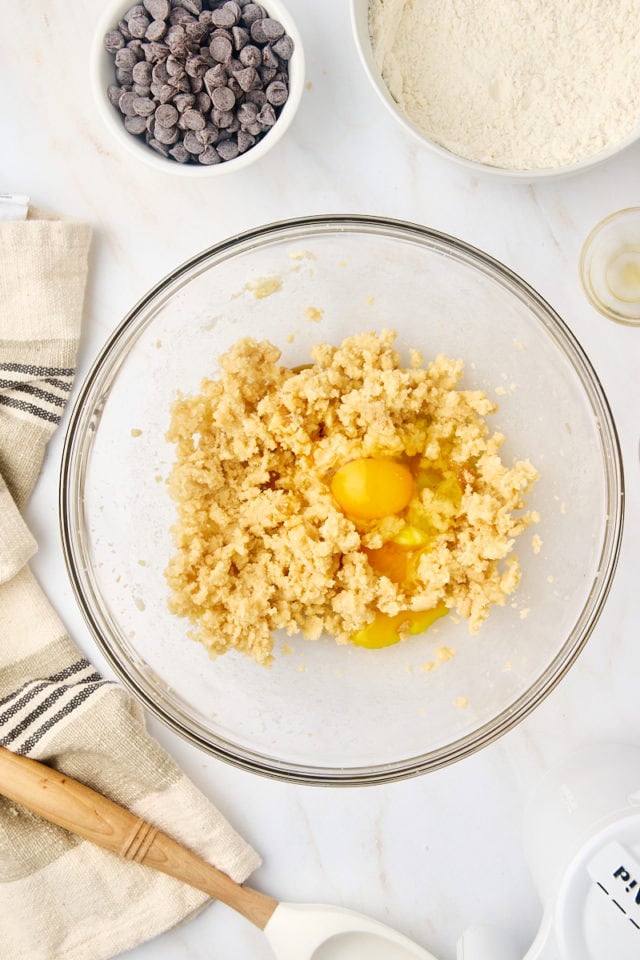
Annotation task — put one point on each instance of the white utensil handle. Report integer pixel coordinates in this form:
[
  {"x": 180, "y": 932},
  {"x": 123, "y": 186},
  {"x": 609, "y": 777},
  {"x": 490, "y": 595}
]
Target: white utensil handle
[
  {"x": 482, "y": 942},
  {"x": 544, "y": 946}
]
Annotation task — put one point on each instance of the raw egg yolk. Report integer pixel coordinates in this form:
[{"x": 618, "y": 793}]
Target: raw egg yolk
[
  {"x": 371, "y": 488},
  {"x": 384, "y": 631},
  {"x": 391, "y": 561}
]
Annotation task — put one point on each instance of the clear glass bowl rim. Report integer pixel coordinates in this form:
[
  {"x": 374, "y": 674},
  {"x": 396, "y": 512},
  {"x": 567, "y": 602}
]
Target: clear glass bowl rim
[
  {"x": 603, "y": 308},
  {"x": 76, "y": 447}
]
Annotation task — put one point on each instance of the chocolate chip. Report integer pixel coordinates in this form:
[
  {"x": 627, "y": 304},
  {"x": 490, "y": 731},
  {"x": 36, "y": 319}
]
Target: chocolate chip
[
  {"x": 181, "y": 84},
  {"x": 267, "y": 74},
  {"x": 236, "y": 8},
  {"x": 114, "y": 93},
  {"x": 136, "y": 11},
  {"x": 194, "y": 7},
  {"x": 224, "y": 17},
  {"x": 223, "y": 98},
  {"x": 267, "y": 115},
  {"x": 222, "y": 118},
  {"x": 126, "y": 104},
  {"x": 203, "y": 102},
  {"x": 160, "y": 73},
  {"x": 165, "y": 93},
  {"x": 113, "y": 41},
  {"x": 245, "y": 141},
  {"x": 193, "y": 120},
  {"x": 157, "y": 9},
  {"x": 269, "y": 58},
  {"x": 252, "y": 12},
  {"x": 176, "y": 40},
  {"x": 228, "y": 149},
  {"x": 166, "y": 135},
  {"x": 138, "y": 26},
  {"x": 235, "y": 88},
  {"x": 250, "y": 56},
  {"x": 196, "y": 32},
  {"x": 141, "y": 90},
  {"x": 272, "y": 29},
  {"x": 166, "y": 115},
  {"x": 284, "y": 48},
  {"x": 220, "y": 48},
  {"x": 277, "y": 93},
  {"x": 215, "y": 77},
  {"x": 221, "y": 32},
  {"x": 180, "y": 153},
  {"x": 247, "y": 112},
  {"x": 178, "y": 15},
  {"x": 124, "y": 77},
  {"x": 135, "y": 46},
  {"x": 158, "y": 147},
  {"x": 258, "y": 33},
  {"x": 144, "y": 106},
  {"x": 135, "y": 125},
  {"x": 208, "y": 135},
  {"x": 125, "y": 59},
  {"x": 159, "y": 51},
  {"x": 183, "y": 101},
  {"x": 175, "y": 67},
  {"x": 256, "y": 96},
  {"x": 196, "y": 66},
  {"x": 196, "y": 84},
  {"x": 124, "y": 29},
  {"x": 142, "y": 73},
  {"x": 240, "y": 37},
  {"x": 192, "y": 144},
  {"x": 209, "y": 156},
  {"x": 248, "y": 78},
  {"x": 156, "y": 30}
]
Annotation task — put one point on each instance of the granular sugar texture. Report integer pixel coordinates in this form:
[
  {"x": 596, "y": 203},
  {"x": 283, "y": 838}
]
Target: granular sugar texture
[{"x": 520, "y": 84}]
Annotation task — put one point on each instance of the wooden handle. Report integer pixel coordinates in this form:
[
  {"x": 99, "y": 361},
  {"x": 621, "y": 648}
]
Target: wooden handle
[{"x": 80, "y": 810}]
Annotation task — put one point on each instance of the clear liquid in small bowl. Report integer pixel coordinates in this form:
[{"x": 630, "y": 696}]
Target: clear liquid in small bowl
[{"x": 610, "y": 266}]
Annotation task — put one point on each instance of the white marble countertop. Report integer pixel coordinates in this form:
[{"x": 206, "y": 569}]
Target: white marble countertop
[{"x": 433, "y": 854}]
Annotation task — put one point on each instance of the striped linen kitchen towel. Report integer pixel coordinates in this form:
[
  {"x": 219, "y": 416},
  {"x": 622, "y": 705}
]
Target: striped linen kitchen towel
[{"x": 61, "y": 898}]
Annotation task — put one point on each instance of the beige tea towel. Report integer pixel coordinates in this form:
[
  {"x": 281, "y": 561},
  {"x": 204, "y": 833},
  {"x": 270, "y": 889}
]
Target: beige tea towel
[{"x": 62, "y": 898}]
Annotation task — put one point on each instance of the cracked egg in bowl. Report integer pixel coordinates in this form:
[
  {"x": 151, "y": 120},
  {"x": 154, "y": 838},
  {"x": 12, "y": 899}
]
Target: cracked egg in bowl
[{"x": 367, "y": 468}]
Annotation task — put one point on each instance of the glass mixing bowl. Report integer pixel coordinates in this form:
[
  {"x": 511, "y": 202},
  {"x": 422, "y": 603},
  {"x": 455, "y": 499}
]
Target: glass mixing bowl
[{"x": 326, "y": 713}]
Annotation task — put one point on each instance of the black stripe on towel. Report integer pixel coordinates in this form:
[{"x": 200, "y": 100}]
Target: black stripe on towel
[
  {"x": 58, "y": 677},
  {"x": 33, "y": 392},
  {"x": 30, "y": 408},
  {"x": 34, "y": 371},
  {"x": 28, "y": 720},
  {"x": 37, "y": 688},
  {"x": 75, "y": 702},
  {"x": 60, "y": 384}
]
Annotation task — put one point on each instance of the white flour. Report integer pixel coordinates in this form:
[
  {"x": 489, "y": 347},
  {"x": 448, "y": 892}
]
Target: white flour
[{"x": 524, "y": 84}]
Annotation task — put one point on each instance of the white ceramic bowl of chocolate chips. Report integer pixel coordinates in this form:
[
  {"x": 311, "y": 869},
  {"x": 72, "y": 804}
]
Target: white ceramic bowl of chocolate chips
[{"x": 197, "y": 87}]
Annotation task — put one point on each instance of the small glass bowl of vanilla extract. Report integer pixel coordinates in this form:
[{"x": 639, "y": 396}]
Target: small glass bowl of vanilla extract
[{"x": 610, "y": 266}]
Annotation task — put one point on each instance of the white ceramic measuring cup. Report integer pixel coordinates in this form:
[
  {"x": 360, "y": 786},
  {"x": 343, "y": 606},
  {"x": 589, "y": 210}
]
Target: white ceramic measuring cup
[
  {"x": 295, "y": 931},
  {"x": 582, "y": 841}
]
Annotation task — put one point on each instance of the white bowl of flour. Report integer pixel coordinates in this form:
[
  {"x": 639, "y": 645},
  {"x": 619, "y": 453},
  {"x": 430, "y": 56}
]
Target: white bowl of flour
[{"x": 533, "y": 89}]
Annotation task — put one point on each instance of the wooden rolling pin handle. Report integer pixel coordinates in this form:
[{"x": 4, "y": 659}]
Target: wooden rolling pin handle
[{"x": 77, "y": 808}]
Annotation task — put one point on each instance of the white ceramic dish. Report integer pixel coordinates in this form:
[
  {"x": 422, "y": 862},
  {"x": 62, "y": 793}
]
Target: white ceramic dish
[
  {"x": 102, "y": 74},
  {"x": 360, "y": 23}
]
